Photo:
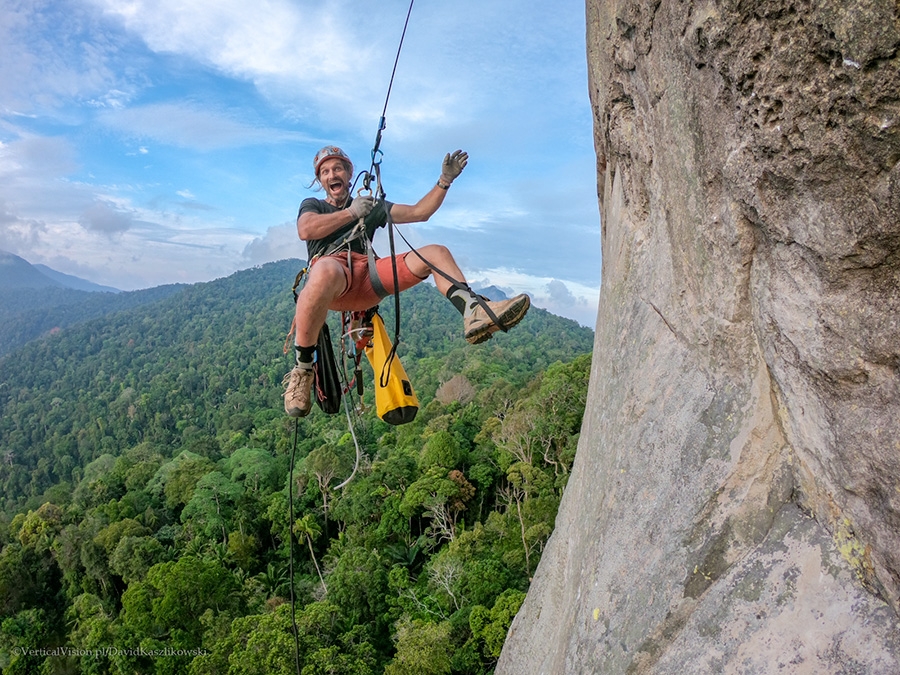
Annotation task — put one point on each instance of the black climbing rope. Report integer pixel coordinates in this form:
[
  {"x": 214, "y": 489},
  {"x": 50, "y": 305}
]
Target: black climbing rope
[{"x": 291, "y": 548}]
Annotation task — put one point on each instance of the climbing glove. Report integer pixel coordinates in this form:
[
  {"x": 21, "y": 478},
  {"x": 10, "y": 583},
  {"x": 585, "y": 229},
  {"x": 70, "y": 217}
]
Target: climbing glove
[
  {"x": 361, "y": 206},
  {"x": 453, "y": 165}
]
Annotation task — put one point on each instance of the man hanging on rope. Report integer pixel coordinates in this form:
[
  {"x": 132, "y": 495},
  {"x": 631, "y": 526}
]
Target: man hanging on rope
[{"x": 340, "y": 280}]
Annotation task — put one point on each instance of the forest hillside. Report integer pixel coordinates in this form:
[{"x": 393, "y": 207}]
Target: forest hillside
[{"x": 147, "y": 488}]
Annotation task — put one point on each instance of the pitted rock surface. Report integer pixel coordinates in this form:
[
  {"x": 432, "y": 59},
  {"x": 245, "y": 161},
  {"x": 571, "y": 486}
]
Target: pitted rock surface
[{"x": 735, "y": 502}]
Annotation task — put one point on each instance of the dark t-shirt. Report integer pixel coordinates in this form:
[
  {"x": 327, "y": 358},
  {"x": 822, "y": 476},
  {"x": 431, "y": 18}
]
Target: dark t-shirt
[{"x": 376, "y": 218}]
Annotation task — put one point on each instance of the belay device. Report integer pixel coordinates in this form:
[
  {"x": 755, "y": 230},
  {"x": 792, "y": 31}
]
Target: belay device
[{"x": 395, "y": 400}]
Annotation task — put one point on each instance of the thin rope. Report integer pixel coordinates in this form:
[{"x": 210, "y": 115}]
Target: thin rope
[
  {"x": 291, "y": 549},
  {"x": 355, "y": 443},
  {"x": 381, "y": 122},
  {"x": 397, "y": 58}
]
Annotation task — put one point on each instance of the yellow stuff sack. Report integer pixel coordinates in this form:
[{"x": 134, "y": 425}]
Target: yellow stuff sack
[{"x": 395, "y": 400}]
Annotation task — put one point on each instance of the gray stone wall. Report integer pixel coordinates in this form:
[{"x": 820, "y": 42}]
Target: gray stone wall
[{"x": 735, "y": 502}]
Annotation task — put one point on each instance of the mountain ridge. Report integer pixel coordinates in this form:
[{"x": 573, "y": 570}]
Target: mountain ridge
[
  {"x": 179, "y": 332},
  {"x": 16, "y": 272}
]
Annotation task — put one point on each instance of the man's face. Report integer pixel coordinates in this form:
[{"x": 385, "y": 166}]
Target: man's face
[{"x": 335, "y": 178}]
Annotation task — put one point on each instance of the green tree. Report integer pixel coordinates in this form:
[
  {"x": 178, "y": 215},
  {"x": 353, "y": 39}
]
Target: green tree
[
  {"x": 39, "y": 528},
  {"x": 134, "y": 556},
  {"x": 92, "y": 628},
  {"x": 307, "y": 528},
  {"x": 440, "y": 496},
  {"x": 110, "y": 536},
  {"x": 491, "y": 625},
  {"x": 212, "y": 504},
  {"x": 441, "y": 449},
  {"x": 26, "y": 630},
  {"x": 256, "y": 645},
  {"x": 324, "y": 464},
  {"x": 423, "y": 648},
  {"x": 169, "y": 603},
  {"x": 174, "y": 481},
  {"x": 255, "y": 468}
]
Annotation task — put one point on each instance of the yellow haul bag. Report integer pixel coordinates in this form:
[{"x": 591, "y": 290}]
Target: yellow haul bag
[{"x": 395, "y": 400}]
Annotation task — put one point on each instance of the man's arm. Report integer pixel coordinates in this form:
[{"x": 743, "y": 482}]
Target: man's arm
[
  {"x": 312, "y": 225},
  {"x": 423, "y": 209},
  {"x": 319, "y": 225}
]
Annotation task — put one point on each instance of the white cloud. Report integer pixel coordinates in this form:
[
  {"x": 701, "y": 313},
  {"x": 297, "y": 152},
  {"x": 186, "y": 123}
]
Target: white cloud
[
  {"x": 76, "y": 227},
  {"x": 52, "y": 53},
  {"x": 105, "y": 218},
  {"x": 18, "y": 234},
  {"x": 562, "y": 297},
  {"x": 274, "y": 43},
  {"x": 278, "y": 243},
  {"x": 559, "y": 294},
  {"x": 30, "y": 158}
]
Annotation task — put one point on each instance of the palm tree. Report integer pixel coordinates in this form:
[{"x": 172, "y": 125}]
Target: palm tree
[
  {"x": 272, "y": 580},
  {"x": 309, "y": 529}
]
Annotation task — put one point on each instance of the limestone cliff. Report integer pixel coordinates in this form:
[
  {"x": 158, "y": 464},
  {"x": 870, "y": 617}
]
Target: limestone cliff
[{"x": 735, "y": 502}]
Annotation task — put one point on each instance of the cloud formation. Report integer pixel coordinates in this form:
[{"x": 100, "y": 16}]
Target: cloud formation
[
  {"x": 145, "y": 142},
  {"x": 105, "y": 218},
  {"x": 278, "y": 243}
]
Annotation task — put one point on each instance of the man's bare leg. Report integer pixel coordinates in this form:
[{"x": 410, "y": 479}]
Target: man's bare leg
[
  {"x": 441, "y": 258},
  {"x": 326, "y": 282},
  {"x": 478, "y": 324}
]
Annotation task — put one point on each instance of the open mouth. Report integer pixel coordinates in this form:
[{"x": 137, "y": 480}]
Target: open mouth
[{"x": 336, "y": 186}]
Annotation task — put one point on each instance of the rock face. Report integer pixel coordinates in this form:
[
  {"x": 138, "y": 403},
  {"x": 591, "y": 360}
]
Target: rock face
[{"x": 735, "y": 502}]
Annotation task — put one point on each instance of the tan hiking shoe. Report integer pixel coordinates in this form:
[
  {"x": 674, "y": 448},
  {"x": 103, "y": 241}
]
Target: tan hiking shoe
[
  {"x": 480, "y": 327},
  {"x": 298, "y": 386}
]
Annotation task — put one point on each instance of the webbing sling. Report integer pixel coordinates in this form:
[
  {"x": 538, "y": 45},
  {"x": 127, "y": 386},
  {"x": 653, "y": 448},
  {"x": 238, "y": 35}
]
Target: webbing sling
[{"x": 377, "y": 286}]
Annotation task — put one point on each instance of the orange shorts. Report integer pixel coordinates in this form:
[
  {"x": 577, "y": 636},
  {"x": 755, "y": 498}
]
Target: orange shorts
[{"x": 359, "y": 293}]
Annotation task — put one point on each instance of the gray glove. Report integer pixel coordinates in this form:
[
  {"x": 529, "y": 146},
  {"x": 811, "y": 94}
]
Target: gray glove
[
  {"x": 453, "y": 165},
  {"x": 361, "y": 207}
]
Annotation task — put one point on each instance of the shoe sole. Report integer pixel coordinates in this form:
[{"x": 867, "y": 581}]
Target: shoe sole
[
  {"x": 513, "y": 315},
  {"x": 297, "y": 412}
]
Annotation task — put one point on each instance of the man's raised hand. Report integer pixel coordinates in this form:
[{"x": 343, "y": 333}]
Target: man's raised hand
[{"x": 454, "y": 163}]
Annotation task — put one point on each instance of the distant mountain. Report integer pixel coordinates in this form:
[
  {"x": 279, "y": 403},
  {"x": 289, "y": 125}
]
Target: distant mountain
[
  {"x": 16, "y": 272},
  {"x": 492, "y": 293},
  {"x": 36, "y": 300},
  {"x": 70, "y": 281}
]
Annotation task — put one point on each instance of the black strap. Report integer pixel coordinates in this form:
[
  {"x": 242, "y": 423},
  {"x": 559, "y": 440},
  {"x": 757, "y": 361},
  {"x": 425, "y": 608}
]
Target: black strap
[
  {"x": 482, "y": 301},
  {"x": 377, "y": 286}
]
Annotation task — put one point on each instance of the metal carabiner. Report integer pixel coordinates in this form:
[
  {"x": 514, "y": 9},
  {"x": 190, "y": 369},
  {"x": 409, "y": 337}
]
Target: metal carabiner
[{"x": 366, "y": 184}]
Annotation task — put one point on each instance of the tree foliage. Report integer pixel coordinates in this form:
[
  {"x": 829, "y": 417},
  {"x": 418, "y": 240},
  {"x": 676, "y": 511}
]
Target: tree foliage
[{"x": 144, "y": 491}]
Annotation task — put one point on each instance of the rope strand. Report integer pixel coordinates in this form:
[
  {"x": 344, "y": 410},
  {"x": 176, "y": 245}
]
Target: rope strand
[{"x": 381, "y": 121}]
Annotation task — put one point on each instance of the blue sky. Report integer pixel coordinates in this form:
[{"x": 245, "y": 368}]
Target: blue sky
[{"x": 145, "y": 142}]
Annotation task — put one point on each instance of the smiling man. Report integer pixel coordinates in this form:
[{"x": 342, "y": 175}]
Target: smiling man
[{"x": 339, "y": 275}]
